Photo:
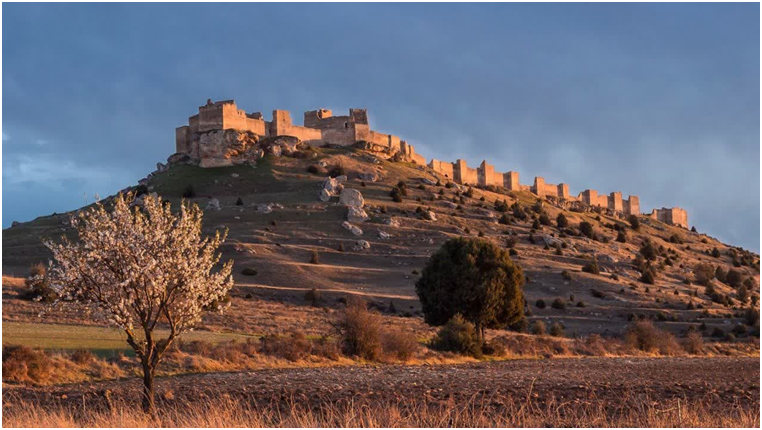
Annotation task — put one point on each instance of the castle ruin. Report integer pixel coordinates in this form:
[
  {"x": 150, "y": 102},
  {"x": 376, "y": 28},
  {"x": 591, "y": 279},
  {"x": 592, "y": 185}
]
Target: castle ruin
[{"x": 221, "y": 134}]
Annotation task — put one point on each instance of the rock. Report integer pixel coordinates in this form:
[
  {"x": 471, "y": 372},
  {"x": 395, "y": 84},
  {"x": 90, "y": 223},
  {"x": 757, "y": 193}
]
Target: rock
[
  {"x": 428, "y": 181},
  {"x": 333, "y": 186},
  {"x": 392, "y": 222},
  {"x": 342, "y": 178},
  {"x": 353, "y": 228},
  {"x": 234, "y": 175},
  {"x": 324, "y": 195},
  {"x": 485, "y": 213},
  {"x": 351, "y": 197},
  {"x": 264, "y": 208},
  {"x": 275, "y": 150},
  {"x": 213, "y": 204},
  {"x": 15, "y": 223},
  {"x": 178, "y": 158},
  {"x": 361, "y": 245},
  {"x": 161, "y": 167},
  {"x": 355, "y": 214},
  {"x": 143, "y": 181},
  {"x": 431, "y": 216},
  {"x": 368, "y": 176},
  {"x": 551, "y": 241},
  {"x": 384, "y": 235},
  {"x": 449, "y": 205}
]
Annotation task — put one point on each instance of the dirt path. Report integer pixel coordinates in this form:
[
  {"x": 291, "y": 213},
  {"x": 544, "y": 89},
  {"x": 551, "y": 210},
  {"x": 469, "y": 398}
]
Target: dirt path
[{"x": 720, "y": 382}]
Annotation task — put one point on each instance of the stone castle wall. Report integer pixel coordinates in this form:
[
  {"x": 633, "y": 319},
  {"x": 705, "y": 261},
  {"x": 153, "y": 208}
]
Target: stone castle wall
[{"x": 201, "y": 138}]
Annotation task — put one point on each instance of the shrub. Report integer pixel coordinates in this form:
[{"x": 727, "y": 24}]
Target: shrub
[
  {"x": 544, "y": 219},
  {"x": 313, "y": 169},
  {"x": 474, "y": 278},
  {"x": 558, "y": 303},
  {"x": 359, "y": 330},
  {"x": 400, "y": 344},
  {"x": 734, "y": 278},
  {"x": 566, "y": 275},
  {"x": 337, "y": 170},
  {"x": 396, "y": 195},
  {"x": 540, "y": 303},
  {"x": 718, "y": 333},
  {"x": 538, "y": 328},
  {"x": 239, "y": 202},
  {"x": 703, "y": 273},
  {"x": 648, "y": 251},
  {"x": 693, "y": 343},
  {"x": 643, "y": 336},
  {"x": 38, "y": 284},
  {"x": 561, "y": 221},
  {"x": 581, "y": 304},
  {"x": 592, "y": 267},
  {"x": 557, "y": 330},
  {"x": 621, "y": 237},
  {"x": 518, "y": 212},
  {"x": 634, "y": 222},
  {"x": 23, "y": 364},
  {"x": 715, "y": 252},
  {"x": 598, "y": 294},
  {"x": 313, "y": 296},
  {"x": 586, "y": 229},
  {"x": 501, "y": 205},
  {"x": 189, "y": 192},
  {"x": 675, "y": 238},
  {"x": 721, "y": 274},
  {"x": 458, "y": 335},
  {"x": 512, "y": 252},
  {"x": 293, "y": 347},
  {"x": 504, "y": 219},
  {"x": 249, "y": 271},
  {"x": 314, "y": 258},
  {"x": 648, "y": 276}
]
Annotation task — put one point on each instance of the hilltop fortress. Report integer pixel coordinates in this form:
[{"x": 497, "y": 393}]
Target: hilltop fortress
[{"x": 222, "y": 135}]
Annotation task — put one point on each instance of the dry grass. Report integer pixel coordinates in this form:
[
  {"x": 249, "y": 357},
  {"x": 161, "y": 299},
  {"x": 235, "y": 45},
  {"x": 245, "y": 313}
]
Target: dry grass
[{"x": 502, "y": 412}]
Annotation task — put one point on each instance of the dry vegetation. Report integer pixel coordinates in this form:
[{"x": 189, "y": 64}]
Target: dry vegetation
[{"x": 519, "y": 412}]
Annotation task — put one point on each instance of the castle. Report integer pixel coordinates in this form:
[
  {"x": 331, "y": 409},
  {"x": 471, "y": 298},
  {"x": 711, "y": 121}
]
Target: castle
[{"x": 322, "y": 127}]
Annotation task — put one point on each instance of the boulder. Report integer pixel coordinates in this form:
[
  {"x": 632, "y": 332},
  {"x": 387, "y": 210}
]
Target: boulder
[
  {"x": 264, "y": 208},
  {"x": 178, "y": 158},
  {"x": 351, "y": 197},
  {"x": 431, "y": 216},
  {"x": 352, "y": 228},
  {"x": 368, "y": 176},
  {"x": 551, "y": 241},
  {"x": 161, "y": 167},
  {"x": 485, "y": 213},
  {"x": 213, "y": 204},
  {"x": 324, "y": 195},
  {"x": 355, "y": 214},
  {"x": 449, "y": 205},
  {"x": 384, "y": 235},
  {"x": 275, "y": 150},
  {"x": 341, "y": 178},
  {"x": 392, "y": 222},
  {"x": 361, "y": 245},
  {"x": 428, "y": 181}
]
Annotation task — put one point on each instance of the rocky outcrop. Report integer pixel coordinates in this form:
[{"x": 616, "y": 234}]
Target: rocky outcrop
[
  {"x": 355, "y": 214},
  {"x": 351, "y": 197},
  {"x": 331, "y": 187},
  {"x": 213, "y": 204},
  {"x": 361, "y": 245}
]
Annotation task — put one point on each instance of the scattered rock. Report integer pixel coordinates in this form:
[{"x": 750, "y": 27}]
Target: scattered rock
[
  {"x": 342, "y": 178},
  {"x": 485, "y": 213},
  {"x": 351, "y": 197},
  {"x": 431, "y": 216},
  {"x": 161, "y": 167},
  {"x": 361, "y": 245},
  {"x": 325, "y": 195},
  {"x": 264, "y": 208},
  {"x": 392, "y": 222},
  {"x": 331, "y": 187},
  {"x": 449, "y": 205},
  {"x": 368, "y": 176},
  {"x": 353, "y": 228},
  {"x": 384, "y": 235},
  {"x": 428, "y": 181},
  {"x": 213, "y": 204},
  {"x": 234, "y": 175},
  {"x": 356, "y": 214}
]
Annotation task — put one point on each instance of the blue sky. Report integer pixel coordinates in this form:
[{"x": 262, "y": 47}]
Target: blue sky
[{"x": 656, "y": 100}]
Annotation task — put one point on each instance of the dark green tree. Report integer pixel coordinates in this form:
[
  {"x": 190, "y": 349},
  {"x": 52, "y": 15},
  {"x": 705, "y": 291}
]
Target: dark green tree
[{"x": 474, "y": 278}]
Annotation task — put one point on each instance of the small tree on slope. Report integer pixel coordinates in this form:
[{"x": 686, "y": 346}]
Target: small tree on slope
[
  {"x": 138, "y": 269},
  {"x": 474, "y": 278}
]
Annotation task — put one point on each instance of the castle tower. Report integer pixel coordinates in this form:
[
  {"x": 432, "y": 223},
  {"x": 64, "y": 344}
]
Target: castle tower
[
  {"x": 539, "y": 186},
  {"x": 511, "y": 181},
  {"x": 281, "y": 123},
  {"x": 615, "y": 201},
  {"x": 590, "y": 197}
]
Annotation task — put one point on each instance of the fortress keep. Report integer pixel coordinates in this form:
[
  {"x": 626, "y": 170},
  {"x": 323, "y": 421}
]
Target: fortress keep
[{"x": 221, "y": 135}]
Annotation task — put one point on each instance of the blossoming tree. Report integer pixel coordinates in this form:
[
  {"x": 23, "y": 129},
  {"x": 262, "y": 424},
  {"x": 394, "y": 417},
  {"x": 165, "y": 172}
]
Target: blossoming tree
[{"x": 141, "y": 270}]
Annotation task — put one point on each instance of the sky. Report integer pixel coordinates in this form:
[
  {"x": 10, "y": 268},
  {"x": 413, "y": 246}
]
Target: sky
[{"x": 655, "y": 100}]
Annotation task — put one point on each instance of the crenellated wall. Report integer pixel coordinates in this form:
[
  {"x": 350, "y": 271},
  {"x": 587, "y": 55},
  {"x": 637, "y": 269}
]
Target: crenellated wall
[{"x": 321, "y": 126}]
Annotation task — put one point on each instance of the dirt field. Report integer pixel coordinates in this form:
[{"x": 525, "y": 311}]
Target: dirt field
[{"x": 716, "y": 382}]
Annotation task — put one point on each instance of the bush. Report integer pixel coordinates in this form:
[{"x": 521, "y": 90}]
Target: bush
[
  {"x": 558, "y": 303},
  {"x": 693, "y": 343},
  {"x": 703, "y": 274},
  {"x": 586, "y": 229},
  {"x": 621, "y": 237},
  {"x": 474, "y": 278},
  {"x": 634, "y": 222},
  {"x": 239, "y": 202},
  {"x": 643, "y": 336},
  {"x": 337, "y": 170},
  {"x": 396, "y": 195},
  {"x": 721, "y": 274},
  {"x": 313, "y": 296},
  {"x": 538, "y": 328},
  {"x": 293, "y": 347},
  {"x": 734, "y": 278},
  {"x": 39, "y": 287},
  {"x": 504, "y": 219},
  {"x": 400, "y": 344},
  {"x": 189, "y": 192},
  {"x": 518, "y": 212},
  {"x": 566, "y": 275},
  {"x": 648, "y": 251},
  {"x": 544, "y": 219},
  {"x": 581, "y": 304},
  {"x": 557, "y": 330},
  {"x": 561, "y": 221},
  {"x": 648, "y": 276},
  {"x": 23, "y": 364},
  {"x": 313, "y": 169},
  {"x": 715, "y": 252},
  {"x": 592, "y": 267},
  {"x": 458, "y": 335},
  {"x": 359, "y": 330},
  {"x": 540, "y": 303},
  {"x": 314, "y": 258},
  {"x": 501, "y": 205},
  {"x": 675, "y": 238},
  {"x": 249, "y": 271}
]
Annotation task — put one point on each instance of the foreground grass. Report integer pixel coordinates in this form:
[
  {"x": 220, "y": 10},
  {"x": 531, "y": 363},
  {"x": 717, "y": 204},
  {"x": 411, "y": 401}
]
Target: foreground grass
[{"x": 504, "y": 412}]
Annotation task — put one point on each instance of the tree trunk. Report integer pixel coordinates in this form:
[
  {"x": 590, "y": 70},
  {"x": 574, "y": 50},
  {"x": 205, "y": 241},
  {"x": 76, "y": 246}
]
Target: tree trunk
[{"x": 148, "y": 389}]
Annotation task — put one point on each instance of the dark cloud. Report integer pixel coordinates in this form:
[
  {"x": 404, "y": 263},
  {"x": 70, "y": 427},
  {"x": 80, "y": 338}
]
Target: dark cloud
[{"x": 656, "y": 100}]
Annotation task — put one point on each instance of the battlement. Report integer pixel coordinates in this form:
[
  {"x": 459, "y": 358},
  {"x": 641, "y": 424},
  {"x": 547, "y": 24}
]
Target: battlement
[{"x": 320, "y": 127}]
